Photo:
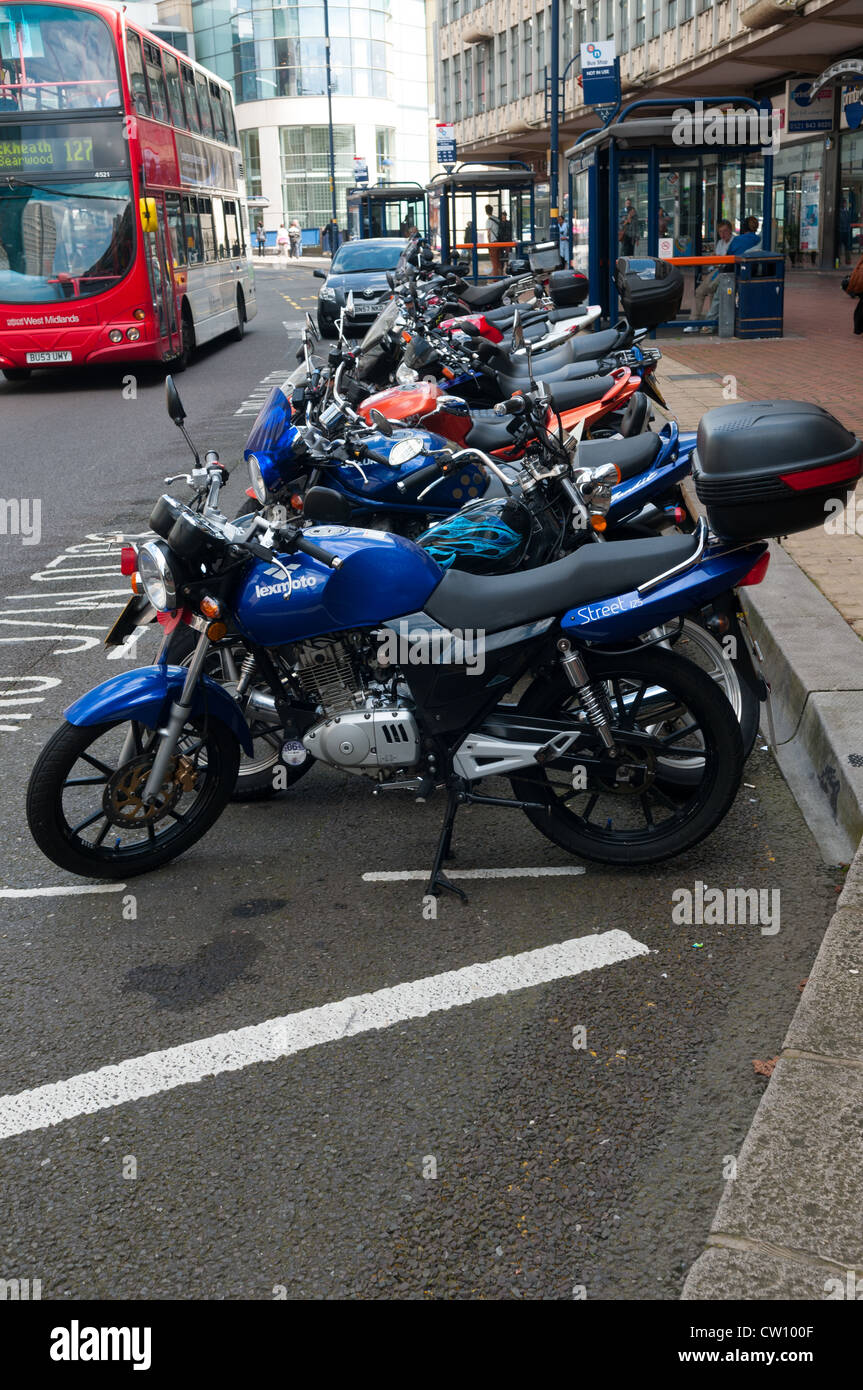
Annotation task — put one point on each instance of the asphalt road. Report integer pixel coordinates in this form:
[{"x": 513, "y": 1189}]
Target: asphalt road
[{"x": 474, "y": 1151}]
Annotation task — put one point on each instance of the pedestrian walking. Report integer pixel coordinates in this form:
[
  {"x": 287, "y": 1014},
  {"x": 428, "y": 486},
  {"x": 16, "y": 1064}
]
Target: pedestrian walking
[
  {"x": 492, "y": 234},
  {"x": 853, "y": 285},
  {"x": 296, "y": 237},
  {"x": 709, "y": 282},
  {"x": 283, "y": 241},
  {"x": 629, "y": 229},
  {"x": 262, "y": 239}
]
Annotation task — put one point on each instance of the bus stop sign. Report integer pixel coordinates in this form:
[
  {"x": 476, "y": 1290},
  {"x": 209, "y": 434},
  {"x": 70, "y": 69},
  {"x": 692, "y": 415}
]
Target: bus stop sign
[
  {"x": 446, "y": 149},
  {"x": 600, "y": 74}
]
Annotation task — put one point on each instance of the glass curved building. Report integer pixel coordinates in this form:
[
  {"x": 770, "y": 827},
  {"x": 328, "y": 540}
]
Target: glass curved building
[{"x": 274, "y": 54}]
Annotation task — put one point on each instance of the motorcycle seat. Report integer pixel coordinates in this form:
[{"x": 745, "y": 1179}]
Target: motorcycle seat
[
  {"x": 632, "y": 456},
  {"x": 490, "y": 432},
  {"x": 568, "y": 395},
  {"x": 597, "y": 344},
  {"x": 496, "y": 602},
  {"x": 484, "y": 296},
  {"x": 572, "y": 371}
]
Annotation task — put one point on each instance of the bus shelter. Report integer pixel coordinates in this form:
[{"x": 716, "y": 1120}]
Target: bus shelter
[
  {"x": 387, "y": 209},
  {"x": 460, "y": 223},
  {"x": 660, "y": 178}
]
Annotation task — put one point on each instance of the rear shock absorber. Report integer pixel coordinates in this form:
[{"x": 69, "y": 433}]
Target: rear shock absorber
[
  {"x": 247, "y": 670},
  {"x": 592, "y": 696}
]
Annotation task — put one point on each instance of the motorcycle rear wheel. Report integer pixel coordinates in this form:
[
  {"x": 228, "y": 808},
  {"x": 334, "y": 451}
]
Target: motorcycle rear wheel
[{"x": 665, "y": 711}]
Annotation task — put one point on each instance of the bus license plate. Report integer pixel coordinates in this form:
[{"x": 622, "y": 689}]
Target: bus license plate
[{"x": 34, "y": 357}]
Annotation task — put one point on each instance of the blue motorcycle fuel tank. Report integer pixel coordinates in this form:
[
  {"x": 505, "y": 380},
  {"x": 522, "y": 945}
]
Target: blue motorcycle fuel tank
[
  {"x": 382, "y": 488},
  {"x": 382, "y": 577}
]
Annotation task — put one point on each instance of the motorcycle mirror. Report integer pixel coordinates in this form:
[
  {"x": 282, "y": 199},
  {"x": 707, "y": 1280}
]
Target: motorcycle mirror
[
  {"x": 174, "y": 404},
  {"x": 311, "y": 326},
  {"x": 324, "y": 505},
  {"x": 391, "y": 280},
  {"x": 349, "y": 303},
  {"x": 517, "y": 331},
  {"x": 380, "y": 422}
]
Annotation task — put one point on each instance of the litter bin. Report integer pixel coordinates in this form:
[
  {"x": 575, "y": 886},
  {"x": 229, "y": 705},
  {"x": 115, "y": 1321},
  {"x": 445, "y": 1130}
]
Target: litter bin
[
  {"x": 725, "y": 303},
  {"x": 760, "y": 285}
]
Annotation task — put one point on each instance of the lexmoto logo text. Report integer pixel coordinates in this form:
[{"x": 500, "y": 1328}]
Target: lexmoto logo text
[
  {"x": 285, "y": 586},
  {"x": 77, "y": 1343},
  {"x": 593, "y": 611}
]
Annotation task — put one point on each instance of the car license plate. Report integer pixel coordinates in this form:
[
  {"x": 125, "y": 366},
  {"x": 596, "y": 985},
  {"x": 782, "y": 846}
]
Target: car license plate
[{"x": 33, "y": 357}]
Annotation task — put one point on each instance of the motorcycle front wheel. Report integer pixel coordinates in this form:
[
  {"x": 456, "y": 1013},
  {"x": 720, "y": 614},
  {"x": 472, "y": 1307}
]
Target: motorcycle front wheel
[
  {"x": 85, "y": 804},
  {"x": 676, "y": 768}
]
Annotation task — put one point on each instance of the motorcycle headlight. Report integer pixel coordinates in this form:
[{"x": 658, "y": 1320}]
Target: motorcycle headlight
[
  {"x": 256, "y": 478},
  {"x": 327, "y": 293},
  {"x": 404, "y": 374},
  {"x": 157, "y": 577}
]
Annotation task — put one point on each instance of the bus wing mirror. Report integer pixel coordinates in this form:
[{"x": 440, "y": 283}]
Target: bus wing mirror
[
  {"x": 149, "y": 215},
  {"x": 174, "y": 404}
]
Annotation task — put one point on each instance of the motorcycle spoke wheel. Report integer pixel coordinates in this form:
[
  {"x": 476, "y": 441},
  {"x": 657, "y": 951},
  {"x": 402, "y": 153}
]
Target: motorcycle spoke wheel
[
  {"x": 85, "y": 804},
  {"x": 676, "y": 768}
]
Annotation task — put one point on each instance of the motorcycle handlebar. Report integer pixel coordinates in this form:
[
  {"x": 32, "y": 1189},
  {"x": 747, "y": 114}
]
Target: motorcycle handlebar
[{"x": 318, "y": 553}]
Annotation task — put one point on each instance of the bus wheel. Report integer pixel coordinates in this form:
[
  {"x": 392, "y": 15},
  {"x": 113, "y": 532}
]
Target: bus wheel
[
  {"x": 17, "y": 373},
  {"x": 187, "y": 332},
  {"x": 236, "y": 334}
]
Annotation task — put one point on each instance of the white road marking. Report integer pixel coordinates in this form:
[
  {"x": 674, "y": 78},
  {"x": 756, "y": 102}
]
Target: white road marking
[
  {"x": 67, "y": 890},
  {"x": 416, "y": 875},
  {"x": 156, "y": 1072}
]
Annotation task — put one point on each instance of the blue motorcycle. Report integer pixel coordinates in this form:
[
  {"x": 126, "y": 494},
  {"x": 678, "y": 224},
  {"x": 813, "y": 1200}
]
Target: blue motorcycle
[{"x": 382, "y": 664}]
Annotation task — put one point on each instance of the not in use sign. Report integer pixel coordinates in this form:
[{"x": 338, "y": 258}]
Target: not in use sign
[{"x": 600, "y": 77}]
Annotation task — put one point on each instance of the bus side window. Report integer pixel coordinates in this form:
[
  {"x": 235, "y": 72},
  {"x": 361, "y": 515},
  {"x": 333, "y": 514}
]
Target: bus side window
[
  {"x": 219, "y": 225},
  {"x": 175, "y": 90},
  {"x": 230, "y": 123},
  {"x": 179, "y": 247},
  {"x": 191, "y": 100},
  {"x": 193, "y": 230},
  {"x": 208, "y": 239},
  {"x": 137, "y": 80},
  {"x": 158, "y": 95},
  {"x": 216, "y": 106},
  {"x": 234, "y": 228},
  {"x": 204, "y": 105}
]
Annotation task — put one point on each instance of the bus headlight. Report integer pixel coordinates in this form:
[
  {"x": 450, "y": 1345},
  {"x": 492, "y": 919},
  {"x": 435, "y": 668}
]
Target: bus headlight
[
  {"x": 157, "y": 577},
  {"x": 133, "y": 334},
  {"x": 256, "y": 478},
  {"x": 115, "y": 335}
]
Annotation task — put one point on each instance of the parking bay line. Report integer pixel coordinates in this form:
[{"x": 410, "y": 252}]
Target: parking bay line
[
  {"x": 416, "y": 875},
  {"x": 65, "y": 891},
  {"x": 150, "y": 1075}
]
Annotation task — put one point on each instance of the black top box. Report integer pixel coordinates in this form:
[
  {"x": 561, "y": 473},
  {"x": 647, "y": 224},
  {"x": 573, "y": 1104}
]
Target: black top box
[
  {"x": 567, "y": 288},
  {"x": 650, "y": 290},
  {"x": 769, "y": 468}
]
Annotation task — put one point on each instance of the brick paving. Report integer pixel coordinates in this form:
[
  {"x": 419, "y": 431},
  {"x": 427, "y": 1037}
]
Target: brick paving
[{"x": 819, "y": 360}]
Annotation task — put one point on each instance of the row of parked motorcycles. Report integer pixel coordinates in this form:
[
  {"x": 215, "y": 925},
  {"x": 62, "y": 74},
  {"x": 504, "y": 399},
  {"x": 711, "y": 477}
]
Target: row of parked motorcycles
[{"x": 465, "y": 558}]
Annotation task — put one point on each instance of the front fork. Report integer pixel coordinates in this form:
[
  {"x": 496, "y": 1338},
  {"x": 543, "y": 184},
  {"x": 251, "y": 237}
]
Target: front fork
[{"x": 181, "y": 709}]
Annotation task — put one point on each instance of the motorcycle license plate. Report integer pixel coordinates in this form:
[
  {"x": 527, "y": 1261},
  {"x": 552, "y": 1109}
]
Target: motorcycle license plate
[
  {"x": 34, "y": 358},
  {"x": 137, "y": 613}
]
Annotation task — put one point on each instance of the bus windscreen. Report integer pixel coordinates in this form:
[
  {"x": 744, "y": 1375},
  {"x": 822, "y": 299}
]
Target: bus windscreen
[
  {"x": 56, "y": 58},
  {"x": 66, "y": 242}
]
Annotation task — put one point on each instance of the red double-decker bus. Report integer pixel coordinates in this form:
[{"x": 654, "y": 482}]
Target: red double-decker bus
[{"x": 123, "y": 230}]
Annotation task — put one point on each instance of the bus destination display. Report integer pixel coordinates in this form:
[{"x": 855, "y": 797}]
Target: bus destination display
[{"x": 46, "y": 155}]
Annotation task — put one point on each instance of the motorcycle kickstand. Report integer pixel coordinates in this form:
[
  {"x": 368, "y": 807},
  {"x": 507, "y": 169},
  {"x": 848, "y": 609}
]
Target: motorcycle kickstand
[{"x": 438, "y": 879}]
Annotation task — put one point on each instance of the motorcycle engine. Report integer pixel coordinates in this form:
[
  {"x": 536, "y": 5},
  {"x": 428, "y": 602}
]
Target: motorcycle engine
[
  {"x": 384, "y": 738},
  {"x": 362, "y": 728}
]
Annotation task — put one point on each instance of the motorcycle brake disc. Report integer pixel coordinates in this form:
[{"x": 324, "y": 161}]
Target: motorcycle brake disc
[{"x": 123, "y": 802}]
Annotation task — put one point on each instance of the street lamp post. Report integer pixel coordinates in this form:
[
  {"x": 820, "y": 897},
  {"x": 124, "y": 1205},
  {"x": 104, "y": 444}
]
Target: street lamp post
[
  {"x": 334, "y": 225},
  {"x": 554, "y": 179}
]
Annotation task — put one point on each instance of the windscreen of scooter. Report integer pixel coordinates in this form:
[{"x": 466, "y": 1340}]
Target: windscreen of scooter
[
  {"x": 272, "y": 424},
  {"x": 382, "y": 325}
]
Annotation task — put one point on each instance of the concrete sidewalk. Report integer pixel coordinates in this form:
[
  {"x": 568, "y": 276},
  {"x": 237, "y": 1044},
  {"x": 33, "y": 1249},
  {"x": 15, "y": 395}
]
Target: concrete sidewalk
[{"x": 790, "y": 1223}]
